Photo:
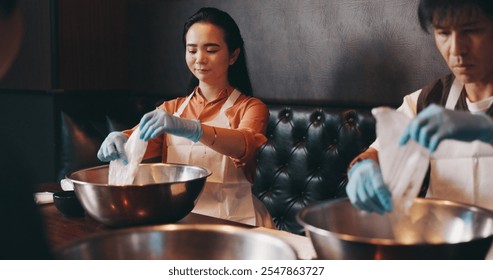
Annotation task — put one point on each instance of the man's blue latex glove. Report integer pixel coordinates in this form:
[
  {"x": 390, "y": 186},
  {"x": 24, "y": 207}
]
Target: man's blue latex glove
[
  {"x": 159, "y": 121},
  {"x": 366, "y": 189},
  {"x": 436, "y": 123},
  {"x": 113, "y": 147}
]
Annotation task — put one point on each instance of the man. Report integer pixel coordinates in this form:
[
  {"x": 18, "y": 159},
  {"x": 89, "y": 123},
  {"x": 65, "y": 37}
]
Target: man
[
  {"x": 22, "y": 230},
  {"x": 456, "y": 107}
]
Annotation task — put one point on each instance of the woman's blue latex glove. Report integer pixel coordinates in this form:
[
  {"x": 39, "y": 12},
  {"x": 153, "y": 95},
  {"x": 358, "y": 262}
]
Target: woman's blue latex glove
[
  {"x": 159, "y": 121},
  {"x": 113, "y": 147},
  {"x": 366, "y": 189},
  {"x": 436, "y": 123}
]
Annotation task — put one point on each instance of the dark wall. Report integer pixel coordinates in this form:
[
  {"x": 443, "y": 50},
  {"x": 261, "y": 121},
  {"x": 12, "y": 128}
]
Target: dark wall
[
  {"x": 370, "y": 52},
  {"x": 92, "y": 44},
  {"x": 308, "y": 52},
  {"x": 69, "y": 47},
  {"x": 72, "y": 45},
  {"x": 33, "y": 66},
  {"x": 28, "y": 133}
]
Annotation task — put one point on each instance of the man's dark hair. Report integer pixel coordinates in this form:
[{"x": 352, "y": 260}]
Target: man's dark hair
[
  {"x": 429, "y": 9},
  {"x": 238, "y": 72},
  {"x": 7, "y": 7}
]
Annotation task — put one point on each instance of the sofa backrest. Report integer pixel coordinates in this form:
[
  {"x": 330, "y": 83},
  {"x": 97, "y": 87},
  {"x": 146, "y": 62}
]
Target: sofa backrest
[{"x": 306, "y": 157}]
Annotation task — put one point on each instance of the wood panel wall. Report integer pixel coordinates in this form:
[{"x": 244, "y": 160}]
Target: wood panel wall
[
  {"x": 93, "y": 45},
  {"x": 72, "y": 45},
  {"x": 32, "y": 68}
]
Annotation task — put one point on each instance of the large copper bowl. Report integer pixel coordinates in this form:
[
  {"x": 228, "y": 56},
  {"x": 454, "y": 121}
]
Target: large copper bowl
[
  {"x": 161, "y": 193},
  {"x": 433, "y": 229},
  {"x": 179, "y": 242}
]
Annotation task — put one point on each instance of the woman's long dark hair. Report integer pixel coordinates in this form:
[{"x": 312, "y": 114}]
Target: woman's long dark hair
[{"x": 237, "y": 73}]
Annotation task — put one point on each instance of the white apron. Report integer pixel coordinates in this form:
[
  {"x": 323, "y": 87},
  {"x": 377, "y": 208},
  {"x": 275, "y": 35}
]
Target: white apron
[
  {"x": 461, "y": 171},
  {"x": 227, "y": 193}
]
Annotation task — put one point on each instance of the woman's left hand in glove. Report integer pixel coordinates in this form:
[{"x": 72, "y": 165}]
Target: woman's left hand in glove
[{"x": 159, "y": 121}]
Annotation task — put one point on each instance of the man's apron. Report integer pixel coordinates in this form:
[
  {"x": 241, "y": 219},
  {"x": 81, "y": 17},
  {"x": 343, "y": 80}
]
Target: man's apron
[
  {"x": 461, "y": 171},
  {"x": 227, "y": 193}
]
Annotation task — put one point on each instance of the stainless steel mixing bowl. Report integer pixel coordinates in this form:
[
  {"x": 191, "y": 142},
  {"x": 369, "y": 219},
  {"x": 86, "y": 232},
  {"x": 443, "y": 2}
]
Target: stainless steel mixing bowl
[
  {"x": 179, "y": 242},
  {"x": 433, "y": 229},
  {"x": 161, "y": 193}
]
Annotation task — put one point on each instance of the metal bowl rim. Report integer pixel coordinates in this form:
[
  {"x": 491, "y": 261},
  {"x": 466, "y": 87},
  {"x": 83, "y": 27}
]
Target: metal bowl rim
[
  {"x": 216, "y": 228},
  {"x": 382, "y": 241},
  {"x": 207, "y": 174}
]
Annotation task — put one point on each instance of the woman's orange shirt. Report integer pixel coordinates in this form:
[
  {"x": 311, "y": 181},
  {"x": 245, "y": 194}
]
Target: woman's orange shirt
[{"x": 248, "y": 115}]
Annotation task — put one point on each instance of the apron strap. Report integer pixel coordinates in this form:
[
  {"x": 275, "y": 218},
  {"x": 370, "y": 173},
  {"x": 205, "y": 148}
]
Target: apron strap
[
  {"x": 454, "y": 94},
  {"x": 183, "y": 105},
  {"x": 453, "y": 97},
  {"x": 231, "y": 100}
]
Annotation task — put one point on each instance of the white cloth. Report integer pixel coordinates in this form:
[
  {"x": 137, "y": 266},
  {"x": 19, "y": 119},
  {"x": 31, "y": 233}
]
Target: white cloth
[
  {"x": 403, "y": 167},
  {"x": 43, "y": 197},
  {"x": 227, "y": 193},
  {"x": 408, "y": 108},
  {"x": 66, "y": 185},
  {"x": 121, "y": 174}
]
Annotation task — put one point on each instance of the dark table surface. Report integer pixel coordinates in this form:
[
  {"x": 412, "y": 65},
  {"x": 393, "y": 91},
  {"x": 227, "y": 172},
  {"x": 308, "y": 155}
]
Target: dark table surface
[{"x": 61, "y": 230}]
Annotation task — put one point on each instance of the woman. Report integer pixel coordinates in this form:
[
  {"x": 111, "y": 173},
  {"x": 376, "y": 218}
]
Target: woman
[{"x": 218, "y": 126}]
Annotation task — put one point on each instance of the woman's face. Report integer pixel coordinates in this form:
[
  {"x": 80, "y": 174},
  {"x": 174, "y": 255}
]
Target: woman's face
[{"x": 207, "y": 53}]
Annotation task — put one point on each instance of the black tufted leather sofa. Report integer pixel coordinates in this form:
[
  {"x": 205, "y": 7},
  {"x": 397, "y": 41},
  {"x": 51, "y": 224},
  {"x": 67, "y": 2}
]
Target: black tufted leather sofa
[{"x": 305, "y": 159}]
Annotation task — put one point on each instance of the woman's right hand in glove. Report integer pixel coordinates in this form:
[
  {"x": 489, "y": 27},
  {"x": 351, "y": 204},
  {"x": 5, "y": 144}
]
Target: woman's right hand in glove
[{"x": 113, "y": 147}]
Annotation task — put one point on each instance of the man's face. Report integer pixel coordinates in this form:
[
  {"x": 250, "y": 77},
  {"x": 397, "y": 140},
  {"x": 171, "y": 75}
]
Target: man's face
[{"x": 466, "y": 44}]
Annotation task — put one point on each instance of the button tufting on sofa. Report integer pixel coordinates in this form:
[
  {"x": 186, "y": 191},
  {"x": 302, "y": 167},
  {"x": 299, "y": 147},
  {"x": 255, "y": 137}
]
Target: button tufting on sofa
[{"x": 306, "y": 157}]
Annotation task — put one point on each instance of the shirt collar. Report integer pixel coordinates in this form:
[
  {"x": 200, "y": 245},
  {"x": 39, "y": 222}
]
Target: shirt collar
[{"x": 224, "y": 94}]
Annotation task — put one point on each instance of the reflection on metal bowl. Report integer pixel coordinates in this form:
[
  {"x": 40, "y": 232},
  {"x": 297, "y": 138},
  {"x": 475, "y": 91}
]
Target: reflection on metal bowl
[
  {"x": 179, "y": 242},
  {"x": 162, "y": 193},
  {"x": 433, "y": 229}
]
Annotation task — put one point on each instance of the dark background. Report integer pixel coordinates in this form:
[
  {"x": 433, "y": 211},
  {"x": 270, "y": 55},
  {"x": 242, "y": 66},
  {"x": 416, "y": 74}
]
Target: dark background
[{"x": 324, "y": 52}]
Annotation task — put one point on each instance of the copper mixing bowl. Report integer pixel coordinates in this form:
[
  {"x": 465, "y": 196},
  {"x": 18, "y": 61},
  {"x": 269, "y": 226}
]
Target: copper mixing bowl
[
  {"x": 433, "y": 229},
  {"x": 161, "y": 193}
]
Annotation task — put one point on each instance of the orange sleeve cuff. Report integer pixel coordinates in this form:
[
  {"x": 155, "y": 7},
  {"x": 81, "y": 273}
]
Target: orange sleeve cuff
[{"x": 253, "y": 141}]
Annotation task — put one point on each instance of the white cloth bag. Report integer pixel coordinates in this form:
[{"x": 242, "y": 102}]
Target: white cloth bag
[
  {"x": 121, "y": 174},
  {"x": 403, "y": 167}
]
